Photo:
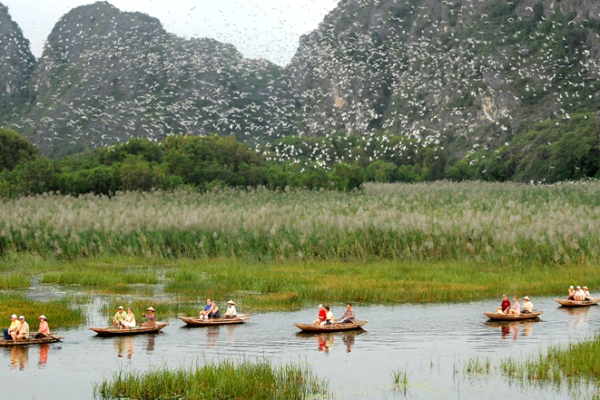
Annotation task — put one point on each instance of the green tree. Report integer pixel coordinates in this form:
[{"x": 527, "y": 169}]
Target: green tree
[{"x": 15, "y": 149}]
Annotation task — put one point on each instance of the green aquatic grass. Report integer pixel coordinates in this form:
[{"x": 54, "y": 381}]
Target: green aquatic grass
[
  {"x": 63, "y": 313},
  {"x": 216, "y": 381},
  {"x": 575, "y": 363},
  {"x": 14, "y": 281},
  {"x": 101, "y": 276}
]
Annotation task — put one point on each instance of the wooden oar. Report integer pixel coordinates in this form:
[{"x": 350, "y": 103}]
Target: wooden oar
[{"x": 51, "y": 334}]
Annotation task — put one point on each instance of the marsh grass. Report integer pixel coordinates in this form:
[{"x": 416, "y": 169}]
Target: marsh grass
[
  {"x": 471, "y": 221},
  {"x": 164, "y": 309},
  {"x": 93, "y": 275},
  {"x": 62, "y": 313},
  {"x": 574, "y": 363},
  {"x": 14, "y": 281},
  {"x": 400, "y": 378},
  {"x": 212, "y": 381}
]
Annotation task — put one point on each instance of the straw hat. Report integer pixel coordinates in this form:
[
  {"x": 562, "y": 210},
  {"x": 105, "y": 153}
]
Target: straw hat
[
  {"x": 43, "y": 317},
  {"x": 231, "y": 302},
  {"x": 150, "y": 309},
  {"x": 526, "y": 298},
  {"x": 585, "y": 287}
]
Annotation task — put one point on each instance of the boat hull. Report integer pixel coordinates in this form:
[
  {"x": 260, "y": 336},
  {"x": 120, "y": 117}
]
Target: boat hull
[
  {"x": 494, "y": 316},
  {"x": 108, "y": 331},
  {"x": 34, "y": 339},
  {"x": 193, "y": 321},
  {"x": 573, "y": 303},
  {"x": 336, "y": 327}
]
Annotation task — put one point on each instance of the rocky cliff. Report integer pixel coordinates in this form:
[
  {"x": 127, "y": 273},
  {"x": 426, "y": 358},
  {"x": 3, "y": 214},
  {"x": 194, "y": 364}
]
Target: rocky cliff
[{"x": 462, "y": 73}]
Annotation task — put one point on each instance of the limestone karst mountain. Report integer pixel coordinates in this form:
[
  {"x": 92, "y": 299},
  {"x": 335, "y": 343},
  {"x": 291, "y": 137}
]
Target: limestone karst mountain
[{"x": 463, "y": 74}]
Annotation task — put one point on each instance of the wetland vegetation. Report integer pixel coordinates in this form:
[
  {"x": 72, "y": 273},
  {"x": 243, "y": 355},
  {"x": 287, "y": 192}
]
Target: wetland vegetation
[{"x": 223, "y": 380}]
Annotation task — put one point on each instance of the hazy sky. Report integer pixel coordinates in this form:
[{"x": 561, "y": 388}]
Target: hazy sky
[{"x": 258, "y": 28}]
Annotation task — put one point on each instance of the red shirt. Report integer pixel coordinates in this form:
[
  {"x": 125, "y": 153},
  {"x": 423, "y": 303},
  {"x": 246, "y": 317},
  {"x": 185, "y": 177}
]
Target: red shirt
[
  {"x": 322, "y": 314},
  {"x": 505, "y": 304}
]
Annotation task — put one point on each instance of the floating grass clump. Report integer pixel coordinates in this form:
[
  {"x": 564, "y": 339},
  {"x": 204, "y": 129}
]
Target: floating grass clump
[
  {"x": 495, "y": 222},
  {"x": 60, "y": 313},
  {"x": 574, "y": 362},
  {"x": 216, "y": 381}
]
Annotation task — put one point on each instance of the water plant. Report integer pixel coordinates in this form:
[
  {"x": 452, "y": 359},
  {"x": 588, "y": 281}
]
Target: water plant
[
  {"x": 61, "y": 313},
  {"x": 223, "y": 380},
  {"x": 400, "y": 378}
]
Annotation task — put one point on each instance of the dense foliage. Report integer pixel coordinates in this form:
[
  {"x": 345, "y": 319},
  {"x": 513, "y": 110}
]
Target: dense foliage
[{"x": 547, "y": 151}]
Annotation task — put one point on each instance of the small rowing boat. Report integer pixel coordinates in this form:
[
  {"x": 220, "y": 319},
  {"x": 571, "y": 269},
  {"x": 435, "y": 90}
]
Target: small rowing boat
[
  {"x": 573, "y": 303},
  {"x": 512, "y": 317},
  {"x": 335, "y": 327},
  {"x": 194, "y": 321},
  {"x": 138, "y": 330},
  {"x": 36, "y": 338}
]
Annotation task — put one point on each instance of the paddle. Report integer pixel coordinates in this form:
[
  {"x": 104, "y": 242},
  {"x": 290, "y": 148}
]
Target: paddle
[{"x": 57, "y": 338}]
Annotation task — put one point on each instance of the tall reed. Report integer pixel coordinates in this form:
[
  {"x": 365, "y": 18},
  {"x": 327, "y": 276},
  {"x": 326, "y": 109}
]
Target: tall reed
[
  {"x": 61, "y": 313},
  {"x": 216, "y": 381},
  {"x": 494, "y": 222}
]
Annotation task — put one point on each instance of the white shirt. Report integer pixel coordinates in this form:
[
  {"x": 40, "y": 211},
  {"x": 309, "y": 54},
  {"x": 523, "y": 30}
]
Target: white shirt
[
  {"x": 528, "y": 306},
  {"x": 231, "y": 311}
]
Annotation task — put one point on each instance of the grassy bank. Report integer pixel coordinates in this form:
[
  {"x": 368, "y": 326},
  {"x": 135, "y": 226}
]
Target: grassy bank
[
  {"x": 224, "y": 380},
  {"x": 474, "y": 221},
  {"x": 574, "y": 362},
  {"x": 60, "y": 313},
  {"x": 295, "y": 284}
]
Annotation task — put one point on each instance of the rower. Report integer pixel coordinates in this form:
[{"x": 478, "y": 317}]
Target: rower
[
  {"x": 528, "y": 306},
  {"x": 44, "y": 329},
  {"x": 151, "y": 318},
  {"x": 231, "y": 311},
  {"x": 348, "y": 317},
  {"x": 586, "y": 293}
]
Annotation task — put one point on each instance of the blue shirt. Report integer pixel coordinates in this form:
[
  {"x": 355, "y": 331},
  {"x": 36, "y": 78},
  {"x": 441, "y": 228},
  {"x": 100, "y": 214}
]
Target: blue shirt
[{"x": 208, "y": 307}]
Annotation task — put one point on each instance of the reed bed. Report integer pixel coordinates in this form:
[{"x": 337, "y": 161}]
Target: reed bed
[
  {"x": 575, "y": 363},
  {"x": 494, "y": 222},
  {"x": 60, "y": 313},
  {"x": 216, "y": 381},
  {"x": 163, "y": 309},
  {"x": 14, "y": 281},
  {"x": 113, "y": 276}
]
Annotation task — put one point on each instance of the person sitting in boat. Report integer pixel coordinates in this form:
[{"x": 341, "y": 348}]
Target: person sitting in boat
[
  {"x": 151, "y": 318},
  {"x": 348, "y": 317},
  {"x": 527, "y": 306},
  {"x": 204, "y": 313},
  {"x": 44, "y": 329},
  {"x": 586, "y": 293},
  {"x": 15, "y": 325},
  {"x": 321, "y": 316},
  {"x": 330, "y": 318},
  {"x": 516, "y": 310},
  {"x": 119, "y": 317},
  {"x": 231, "y": 312},
  {"x": 504, "y": 306},
  {"x": 23, "y": 333},
  {"x": 579, "y": 296},
  {"x": 571, "y": 293},
  {"x": 214, "y": 311},
  {"x": 129, "y": 320}
]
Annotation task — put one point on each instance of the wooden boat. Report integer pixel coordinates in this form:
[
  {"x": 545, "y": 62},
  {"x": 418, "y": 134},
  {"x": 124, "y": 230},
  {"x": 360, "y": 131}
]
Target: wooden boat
[
  {"x": 35, "y": 338},
  {"x": 573, "y": 303},
  {"x": 510, "y": 317},
  {"x": 194, "y": 321},
  {"x": 111, "y": 331},
  {"x": 335, "y": 327}
]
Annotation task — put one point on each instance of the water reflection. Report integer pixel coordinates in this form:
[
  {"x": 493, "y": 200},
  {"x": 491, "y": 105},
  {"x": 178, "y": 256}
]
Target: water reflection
[
  {"x": 44, "y": 349},
  {"x": 124, "y": 344},
  {"x": 578, "y": 316},
  {"x": 19, "y": 357},
  {"x": 212, "y": 335},
  {"x": 326, "y": 341},
  {"x": 150, "y": 344},
  {"x": 511, "y": 330}
]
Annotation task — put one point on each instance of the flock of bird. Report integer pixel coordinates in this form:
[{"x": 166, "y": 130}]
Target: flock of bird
[{"x": 431, "y": 72}]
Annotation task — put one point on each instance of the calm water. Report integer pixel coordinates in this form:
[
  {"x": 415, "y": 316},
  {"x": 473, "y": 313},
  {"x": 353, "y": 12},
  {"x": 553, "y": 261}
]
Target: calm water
[{"x": 427, "y": 340}]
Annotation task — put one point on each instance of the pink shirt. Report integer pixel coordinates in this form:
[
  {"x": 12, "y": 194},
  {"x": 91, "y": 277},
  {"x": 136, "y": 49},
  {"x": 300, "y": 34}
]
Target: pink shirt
[{"x": 44, "y": 328}]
